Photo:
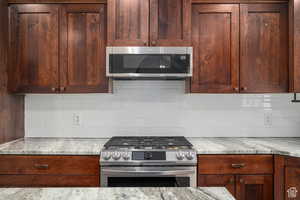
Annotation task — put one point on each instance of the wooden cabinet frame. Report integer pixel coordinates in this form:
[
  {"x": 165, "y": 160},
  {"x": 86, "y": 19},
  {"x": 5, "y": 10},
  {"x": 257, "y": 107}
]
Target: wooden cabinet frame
[
  {"x": 141, "y": 23},
  {"x": 54, "y": 70},
  {"x": 208, "y": 63}
]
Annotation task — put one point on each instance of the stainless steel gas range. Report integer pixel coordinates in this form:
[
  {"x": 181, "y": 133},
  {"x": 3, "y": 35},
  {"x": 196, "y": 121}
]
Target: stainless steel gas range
[{"x": 148, "y": 162}]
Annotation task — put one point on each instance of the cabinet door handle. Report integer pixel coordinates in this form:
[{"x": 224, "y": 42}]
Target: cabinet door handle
[
  {"x": 236, "y": 89},
  {"x": 231, "y": 181},
  {"x": 62, "y": 89},
  {"x": 145, "y": 43},
  {"x": 153, "y": 43},
  {"x": 53, "y": 89},
  {"x": 238, "y": 166},
  {"x": 244, "y": 88},
  {"x": 41, "y": 166},
  {"x": 241, "y": 180}
]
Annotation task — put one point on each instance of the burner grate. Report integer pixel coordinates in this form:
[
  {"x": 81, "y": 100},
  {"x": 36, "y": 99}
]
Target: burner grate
[{"x": 155, "y": 142}]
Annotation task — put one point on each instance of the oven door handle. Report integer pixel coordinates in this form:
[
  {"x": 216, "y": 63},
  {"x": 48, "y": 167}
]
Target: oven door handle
[{"x": 151, "y": 173}]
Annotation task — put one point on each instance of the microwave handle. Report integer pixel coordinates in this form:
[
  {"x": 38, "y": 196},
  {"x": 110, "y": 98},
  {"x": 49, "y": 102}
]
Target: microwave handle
[{"x": 150, "y": 173}]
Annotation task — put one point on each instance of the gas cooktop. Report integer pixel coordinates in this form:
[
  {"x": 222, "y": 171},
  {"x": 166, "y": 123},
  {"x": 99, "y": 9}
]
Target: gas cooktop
[
  {"x": 148, "y": 151},
  {"x": 148, "y": 143}
]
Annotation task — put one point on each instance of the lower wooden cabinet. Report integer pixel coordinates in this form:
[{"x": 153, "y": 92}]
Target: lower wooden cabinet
[
  {"x": 287, "y": 178},
  {"x": 245, "y": 176},
  {"x": 292, "y": 183},
  {"x": 254, "y": 187},
  {"x": 220, "y": 180},
  {"x": 49, "y": 171},
  {"x": 49, "y": 181}
]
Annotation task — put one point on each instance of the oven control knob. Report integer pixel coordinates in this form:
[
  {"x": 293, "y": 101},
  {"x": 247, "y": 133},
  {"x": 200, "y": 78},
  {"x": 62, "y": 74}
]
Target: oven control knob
[
  {"x": 190, "y": 155},
  {"x": 106, "y": 155},
  {"x": 180, "y": 155},
  {"x": 116, "y": 155},
  {"x": 126, "y": 156}
]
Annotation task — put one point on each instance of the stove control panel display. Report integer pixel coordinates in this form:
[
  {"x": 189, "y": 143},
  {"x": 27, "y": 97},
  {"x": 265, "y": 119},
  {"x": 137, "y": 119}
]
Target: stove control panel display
[{"x": 148, "y": 155}]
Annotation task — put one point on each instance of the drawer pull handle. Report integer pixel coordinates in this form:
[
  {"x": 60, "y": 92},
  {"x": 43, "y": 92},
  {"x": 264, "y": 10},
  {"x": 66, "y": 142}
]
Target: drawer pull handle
[
  {"x": 41, "y": 166},
  {"x": 231, "y": 181},
  {"x": 238, "y": 166}
]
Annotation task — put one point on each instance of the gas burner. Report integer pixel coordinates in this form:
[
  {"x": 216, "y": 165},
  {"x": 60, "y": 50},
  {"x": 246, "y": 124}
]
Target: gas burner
[{"x": 147, "y": 142}]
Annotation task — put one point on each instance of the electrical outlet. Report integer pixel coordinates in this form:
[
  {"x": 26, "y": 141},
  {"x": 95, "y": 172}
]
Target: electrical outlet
[
  {"x": 76, "y": 119},
  {"x": 268, "y": 119}
]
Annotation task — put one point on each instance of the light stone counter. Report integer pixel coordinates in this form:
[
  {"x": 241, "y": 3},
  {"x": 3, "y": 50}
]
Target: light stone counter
[
  {"x": 81, "y": 146},
  {"x": 279, "y": 146},
  {"x": 201, "y": 193},
  {"x": 53, "y": 146}
]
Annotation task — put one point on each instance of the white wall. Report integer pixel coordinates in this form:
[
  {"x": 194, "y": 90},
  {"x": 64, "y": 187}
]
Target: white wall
[{"x": 161, "y": 108}]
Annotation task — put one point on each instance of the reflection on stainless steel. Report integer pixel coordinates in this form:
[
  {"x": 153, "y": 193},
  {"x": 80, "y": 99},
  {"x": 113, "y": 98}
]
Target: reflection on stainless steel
[
  {"x": 148, "y": 51},
  {"x": 169, "y": 160},
  {"x": 171, "y": 171}
]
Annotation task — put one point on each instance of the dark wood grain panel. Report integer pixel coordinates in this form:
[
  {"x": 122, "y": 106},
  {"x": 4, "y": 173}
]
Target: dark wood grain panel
[
  {"x": 55, "y": 1},
  {"x": 215, "y": 37},
  {"x": 279, "y": 174},
  {"x": 295, "y": 43},
  {"x": 224, "y": 164},
  {"x": 34, "y": 48},
  {"x": 227, "y": 181},
  {"x": 11, "y": 107},
  {"x": 292, "y": 182},
  {"x": 170, "y": 22},
  {"x": 83, "y": 43},
  {"x": 254, "y": 187},
  {"x": 264, "y": 48},
  {"x": 49, "y": 165},
  {"x": 48, "y": 181},
  {"x": 240, "y": 1},
  {"x": 128, "y": 23}
]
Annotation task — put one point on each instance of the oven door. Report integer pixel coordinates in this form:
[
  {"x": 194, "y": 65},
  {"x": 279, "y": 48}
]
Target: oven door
[{"x": 150, "y": 176}]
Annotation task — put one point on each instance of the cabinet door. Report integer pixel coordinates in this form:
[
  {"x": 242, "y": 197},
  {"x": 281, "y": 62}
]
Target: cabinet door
[
  {"x": 33, "y": 48},
  {"x": 254, "y": 187},
  {"x": 170, "y": 22},
  {"x": 264, "y": 48},
  {"x": 292, "y": 183},
  {"x": 215, "y": 38},
  {"x": 227, "y": 181},
  {"x": 83, "y": 43},
  {"x": 128, "y": 22}
]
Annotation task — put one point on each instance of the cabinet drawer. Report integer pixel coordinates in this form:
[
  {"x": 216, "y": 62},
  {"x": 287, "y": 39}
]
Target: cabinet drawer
[
  {"x": 54, "y": 165},
  {"x": 48, "y": 181},
  {"x": 235, "y": 164}
]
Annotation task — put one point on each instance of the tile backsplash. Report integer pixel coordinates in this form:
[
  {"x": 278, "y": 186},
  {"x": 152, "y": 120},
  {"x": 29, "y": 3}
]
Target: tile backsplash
[{"x": 161, "y": 108}]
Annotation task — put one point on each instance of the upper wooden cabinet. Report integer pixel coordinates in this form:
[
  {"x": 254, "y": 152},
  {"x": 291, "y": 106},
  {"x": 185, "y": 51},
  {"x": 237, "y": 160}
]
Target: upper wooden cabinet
[
  {"x": 154, "y": 22},
  {"x": 44, "y": 60},
  {"x": 170, "y": 22},
  {"x": 128, "y": 22},
  {"x": 215, "y": 38},
  {"x": 83, "y": 42},
  {"x": 261, "y": 33},
  {"x": 34, "y": 59},
  {"x": 264, "y": 48}
]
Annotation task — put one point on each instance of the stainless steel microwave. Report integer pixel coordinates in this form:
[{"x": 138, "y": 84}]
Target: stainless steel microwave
[{"x": 151, "y": 62}]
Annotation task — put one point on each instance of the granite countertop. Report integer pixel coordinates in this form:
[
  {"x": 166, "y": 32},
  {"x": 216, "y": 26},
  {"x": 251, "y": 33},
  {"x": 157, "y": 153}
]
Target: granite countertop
[
  {"x": 54, "y": 146},
  {"x": 201, "y": 193},
  {"x": 278, "y": 146},
  {"x": 81, "y": 146}
]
